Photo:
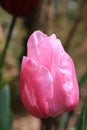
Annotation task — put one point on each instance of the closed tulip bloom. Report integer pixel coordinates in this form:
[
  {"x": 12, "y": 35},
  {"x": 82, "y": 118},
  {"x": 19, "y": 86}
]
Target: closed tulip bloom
[{"x": 48, "y": 84}]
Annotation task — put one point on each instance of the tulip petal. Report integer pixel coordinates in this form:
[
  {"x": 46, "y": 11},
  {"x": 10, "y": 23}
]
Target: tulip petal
[
  {"x": 70, "y": 84},
  {"x": 46, "y": 51},
  {"x": 66, "y": 91},
  {"x": 32, "y": 44},
  {"x": 34, "y": 90}
]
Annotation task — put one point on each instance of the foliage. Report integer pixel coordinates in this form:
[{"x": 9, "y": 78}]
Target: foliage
[
  {"x": 5, "y": 112},
  {"x": 82, "y": 122}
]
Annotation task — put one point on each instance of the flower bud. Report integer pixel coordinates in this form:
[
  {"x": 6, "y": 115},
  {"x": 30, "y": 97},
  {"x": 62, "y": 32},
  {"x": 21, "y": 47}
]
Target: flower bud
[{"x": 48, "y": 84}]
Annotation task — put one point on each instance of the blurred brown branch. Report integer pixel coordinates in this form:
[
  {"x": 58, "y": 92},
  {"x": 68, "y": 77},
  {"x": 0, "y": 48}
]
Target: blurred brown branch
[
  {"x": 81, "y": 15},
  {"x": 47, "y": 16}
]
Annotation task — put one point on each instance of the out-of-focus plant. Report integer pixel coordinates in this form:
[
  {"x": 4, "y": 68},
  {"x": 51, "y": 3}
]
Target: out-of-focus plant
[
  {"x": 83, "y": 79},
  {"x": 79, "y": 18},
  {"x": 5, "y": 112},
  {"x": 82, "y": 121},
  {"x": 18, "y": 7},
  {"x": 3, "y": 55}
]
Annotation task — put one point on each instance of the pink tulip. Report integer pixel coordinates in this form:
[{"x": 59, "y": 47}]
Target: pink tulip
[{"x": 48, "y": 84}]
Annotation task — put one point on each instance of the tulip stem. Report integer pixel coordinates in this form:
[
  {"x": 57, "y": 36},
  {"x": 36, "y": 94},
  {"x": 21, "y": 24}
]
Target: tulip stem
[
  {"x": 49, "y": 124},
  {"x": 2, "y": 60}
]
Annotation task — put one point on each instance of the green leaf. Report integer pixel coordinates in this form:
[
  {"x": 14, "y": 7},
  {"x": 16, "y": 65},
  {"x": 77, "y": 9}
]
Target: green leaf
[
  {"x": 82, "y": 122},
  {"x": 5, "y": 112}
]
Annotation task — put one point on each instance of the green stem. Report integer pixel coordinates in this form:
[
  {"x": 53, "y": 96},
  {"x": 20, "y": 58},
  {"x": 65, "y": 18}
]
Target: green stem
[{"x": 2, "y": 60}]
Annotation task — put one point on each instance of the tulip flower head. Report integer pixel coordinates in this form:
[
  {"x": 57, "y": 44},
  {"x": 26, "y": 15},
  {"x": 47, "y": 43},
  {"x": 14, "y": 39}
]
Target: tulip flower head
[
  {"x": 19, "y": 7},
  {"x": 48, "y": 84}
]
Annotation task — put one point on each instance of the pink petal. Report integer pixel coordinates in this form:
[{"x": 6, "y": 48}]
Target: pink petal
[
  {"x": 49, "y": 51},
  {"x": 65, "y": 92},
  {"x": 32, "y": 44},
  {"x": 35, "y": 82},
  {"x": 70, "y": 84}
]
